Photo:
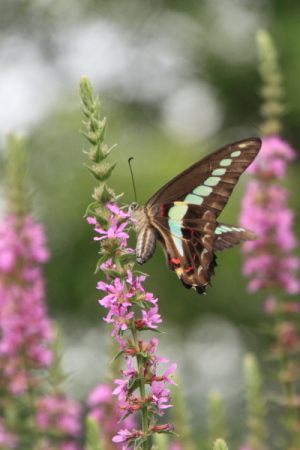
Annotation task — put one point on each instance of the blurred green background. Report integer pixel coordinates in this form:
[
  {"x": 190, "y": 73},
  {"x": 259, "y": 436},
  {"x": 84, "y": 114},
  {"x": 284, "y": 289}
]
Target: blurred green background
[{"x": 177, "y": 79}]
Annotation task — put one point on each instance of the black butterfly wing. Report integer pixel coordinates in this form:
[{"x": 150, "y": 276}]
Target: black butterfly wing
[
  {"x": 183, "y": 213},
  {"x": 189, "y": 246},
  {"x": 210, "y": 181},
  {"x": 189, "y": 243}
]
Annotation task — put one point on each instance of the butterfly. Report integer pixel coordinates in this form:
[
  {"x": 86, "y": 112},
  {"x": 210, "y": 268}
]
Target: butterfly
[{"x": 182, "y": 215}]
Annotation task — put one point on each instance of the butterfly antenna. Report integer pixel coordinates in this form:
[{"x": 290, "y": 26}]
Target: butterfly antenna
[{"x": 132, "y": 177}]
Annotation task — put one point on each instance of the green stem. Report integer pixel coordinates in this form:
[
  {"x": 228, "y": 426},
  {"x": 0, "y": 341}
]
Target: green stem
[{"x": 140, "y": 364}]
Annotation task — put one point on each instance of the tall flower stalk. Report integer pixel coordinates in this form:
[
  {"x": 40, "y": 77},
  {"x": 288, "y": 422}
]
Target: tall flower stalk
[
  {"x": 35, "y": 412},
  {"x": 270, "y": 261},
  {"x": 131, "y": 310}
]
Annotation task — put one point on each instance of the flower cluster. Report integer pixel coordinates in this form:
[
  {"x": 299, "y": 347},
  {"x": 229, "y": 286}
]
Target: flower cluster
[
  {"x": 132, "y": 310},
  {"x": 273, "y": 265},
  {"x": 25, "y": 329},
  {"x": 59, "y": 415},
  {"x": 270, "y": 264},
  {"x": 26, "y": 338}
]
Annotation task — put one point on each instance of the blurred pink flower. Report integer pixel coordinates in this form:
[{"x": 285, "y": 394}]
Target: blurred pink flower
[
  {"x": 25, "y": 330},
  {"x": 57, "y": 412},
  {"x": 264, "y": 210}
]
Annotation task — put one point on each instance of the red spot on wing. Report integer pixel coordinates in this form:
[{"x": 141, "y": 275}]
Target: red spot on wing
[
  {"x": 175, "y": 260},
  {"x": 189, "y": 269},
  {"x": 162, "y": 210}
]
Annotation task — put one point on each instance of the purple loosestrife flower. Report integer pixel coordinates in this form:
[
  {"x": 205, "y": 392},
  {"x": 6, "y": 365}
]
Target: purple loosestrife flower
[
  {"x": 123, "y": 291},
  {"x": 25, "y": 330},
  {"x": 131, "y": 309},
  {"x": 264, "y": 210},
  {"x": 273, "y": 266},
  {"x": 127, "y": 436}
]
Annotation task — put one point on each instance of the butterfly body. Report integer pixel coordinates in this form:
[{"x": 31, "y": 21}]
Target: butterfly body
[{"x": 182, "y": 215}]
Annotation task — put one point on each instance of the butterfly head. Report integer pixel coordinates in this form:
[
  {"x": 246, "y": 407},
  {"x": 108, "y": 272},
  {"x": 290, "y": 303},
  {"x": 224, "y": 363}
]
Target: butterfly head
[
  {"x": 133, "y": 206},
  {"x": 138, "y": 216}
]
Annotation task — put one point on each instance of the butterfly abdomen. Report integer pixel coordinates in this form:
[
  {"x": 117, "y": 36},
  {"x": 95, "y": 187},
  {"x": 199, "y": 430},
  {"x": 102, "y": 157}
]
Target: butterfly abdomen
[{"x": 146, "y": 235}]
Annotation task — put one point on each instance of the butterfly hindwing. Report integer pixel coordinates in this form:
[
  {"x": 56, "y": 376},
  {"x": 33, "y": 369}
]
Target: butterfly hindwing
[
  {"x": 182, "y": 215},
  {"x": 188, "y": 244},
  {"x": 227, "y": 236}
]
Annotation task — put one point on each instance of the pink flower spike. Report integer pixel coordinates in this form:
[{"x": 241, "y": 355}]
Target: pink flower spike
[{"x": 120, "y": 296}]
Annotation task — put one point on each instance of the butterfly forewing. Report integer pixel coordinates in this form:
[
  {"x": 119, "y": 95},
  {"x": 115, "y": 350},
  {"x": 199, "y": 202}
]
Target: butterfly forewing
[
  {"x": 210, "y": 181},
  {"x": 182, "y": 215}
]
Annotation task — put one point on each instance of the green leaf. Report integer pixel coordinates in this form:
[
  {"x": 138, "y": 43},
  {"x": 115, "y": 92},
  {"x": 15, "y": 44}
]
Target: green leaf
[
  {"x": 172, "y": 433},
  {"x": 105, "y": 174},
  {"x": 102, "y": 260},
  {"x": 92, "y": 140},
  {"x": 117, "y": 355},
  {"x": 124, "y": 417},
  {"x": 93, "y": 435},
  {"x": 155, "y": 330},
  {"x": 108, "y": 172},
  {"x": 103, "y": 129},
  {"x": 92, "y": 172}
]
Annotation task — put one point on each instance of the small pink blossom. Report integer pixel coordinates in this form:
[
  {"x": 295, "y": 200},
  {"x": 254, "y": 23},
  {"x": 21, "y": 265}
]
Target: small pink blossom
[
  {"x": 114, "y": 231},
  {"x": 130, "y": 372},
  {"x": 127, "y": 436},
  {"x": 165, "y": 377},
  {"x": 117, "y": 212},
  {"x": 160, "y": 395},
  {"x": 116, "y": 293},
  {"x": 122, "y": 390},
  {"x": 119, "y": 315},
  {"x": 151, "y": 317}
]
